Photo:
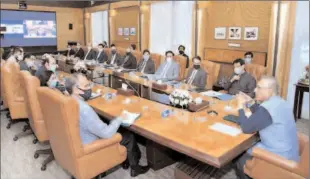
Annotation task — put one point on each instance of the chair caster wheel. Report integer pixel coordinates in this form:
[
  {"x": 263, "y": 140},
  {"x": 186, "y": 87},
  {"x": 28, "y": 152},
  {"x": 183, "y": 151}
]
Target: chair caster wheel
[
  {"x": 15, "y": 138},
  {"x": 43, "y": 168},
  {"x": 35, "y": 141},
  {"x": 8, "y": 126},
  {"x": 36, "y": 155}
]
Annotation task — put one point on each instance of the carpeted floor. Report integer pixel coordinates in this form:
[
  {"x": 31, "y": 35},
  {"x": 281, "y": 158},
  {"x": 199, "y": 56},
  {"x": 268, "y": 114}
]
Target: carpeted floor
[{"x": 17, "y": 161}]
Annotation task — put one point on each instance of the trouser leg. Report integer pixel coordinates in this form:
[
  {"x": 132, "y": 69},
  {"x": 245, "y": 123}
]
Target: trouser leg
[
  {"x": 133, "y": 151},
  {"x": 239, "y": 165}
]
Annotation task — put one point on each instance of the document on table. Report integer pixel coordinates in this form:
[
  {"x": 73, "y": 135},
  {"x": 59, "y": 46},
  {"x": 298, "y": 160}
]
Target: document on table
[
  {"x": 211, "y": 93},
  {"x": 130, "y": 118},
  {"x": 225, "y": 129}
]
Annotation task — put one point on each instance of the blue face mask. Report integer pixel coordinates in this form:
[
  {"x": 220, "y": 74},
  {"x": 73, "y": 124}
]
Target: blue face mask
[
  {"x": 53, "y": 84},
  {"x": 53, "y": 68}
]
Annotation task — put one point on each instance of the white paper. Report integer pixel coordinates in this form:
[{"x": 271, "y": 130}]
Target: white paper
[
  {"x": 225, "y": 129},
  {"x": 124, "y": 86},
  {"x": 94, "y": 95},
  {"x": 130, "y": 117},
  {"x": 211, "y": 93}
]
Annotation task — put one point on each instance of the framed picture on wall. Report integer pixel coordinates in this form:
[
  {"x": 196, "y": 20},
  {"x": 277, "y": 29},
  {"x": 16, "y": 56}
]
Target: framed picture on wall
[
  {"x": 250, "y": 33},
  {"x": 220, "y": 33},
  {"x": 132, "y": 31},
  {"x": 234, "y": 33},
  {"x": 120, "y": 31},
  {"x": 126, "y": 31}
]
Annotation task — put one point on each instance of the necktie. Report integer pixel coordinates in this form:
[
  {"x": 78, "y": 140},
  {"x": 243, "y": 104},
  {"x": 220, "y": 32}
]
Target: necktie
[
  {"x": 98, "y": 55},
  {"x": 165, "y": 70},
  {"x": 126, "y": 58},
  {"x": 143, "y": 66},
  {"x": 113, "y": 59},
  {"x": 191, "y": 78},
  {"x": 86, "y": 55}
]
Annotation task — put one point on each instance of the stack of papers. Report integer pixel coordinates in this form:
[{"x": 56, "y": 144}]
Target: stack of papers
[
  {"x": 211, "y": 93},
  {"x": 225, "y": 129},
  {"x": 130, "y": 118},
  {"x": 225, "y": 97}
]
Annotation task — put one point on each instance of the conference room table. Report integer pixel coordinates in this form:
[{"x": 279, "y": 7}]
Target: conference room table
[{"x": 186, "y": 132}]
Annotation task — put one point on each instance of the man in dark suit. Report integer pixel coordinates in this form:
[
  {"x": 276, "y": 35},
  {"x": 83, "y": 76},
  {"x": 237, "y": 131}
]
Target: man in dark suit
[
  {"x": 181, "y": 52},
  {"x": 146, "y": 65},
  {"x": 80, "y": 52},
  {"x": 129, "y": 61},
  {"x": 69, "y": 51},
  {"x": 91, "y": 53},
  {"x": 114, "y": 58},
  {"x": 196, "y": 75},
  {"x": 101, "y": 56}
]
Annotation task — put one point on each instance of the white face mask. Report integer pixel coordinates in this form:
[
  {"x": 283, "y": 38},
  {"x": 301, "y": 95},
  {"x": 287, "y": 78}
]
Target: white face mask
[
  {"x": 69, "y": 49},
  {"x": 89, "y": 48},
  {"x": 169, "y": 59},
  {"x": 248, "y": 60},
  {"x": 146, "y": 57},
  {"x": 78, "y": 47},
  {"x": 100, "y": 49},
  {"x": 30, "y": 63},
  {"x": 19, "y": 57},
  {"x": 238, "y": 70}
]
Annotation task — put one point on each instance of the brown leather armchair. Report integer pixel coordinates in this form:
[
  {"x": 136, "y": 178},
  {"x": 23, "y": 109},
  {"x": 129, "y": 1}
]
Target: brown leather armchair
[
  {"x": 157, "y": 59},
  {"x": 61, "y": 115},
  {"x": 257, "y": 71},
  {"x": 182, "y": 62},
  {"x": 5, "y": 104},
  {"x": 212, "y": 70},
  {"x": 266, "y": 165},
  {"x": 35, "y": 117}
]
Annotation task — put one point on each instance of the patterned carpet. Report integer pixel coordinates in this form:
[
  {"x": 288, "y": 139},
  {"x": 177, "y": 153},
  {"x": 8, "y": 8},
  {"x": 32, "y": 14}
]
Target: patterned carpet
[{"x": 17, "y": 160}]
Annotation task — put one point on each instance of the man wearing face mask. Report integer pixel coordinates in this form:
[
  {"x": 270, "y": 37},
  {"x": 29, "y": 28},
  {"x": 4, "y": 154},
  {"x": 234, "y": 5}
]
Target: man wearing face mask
[
  {"x": 69, "y": 51},
  {"x": 16, "y": 56},
  {"x": 169, "y": 70},
  {"x": 114, "y": 57},
  {"x": 27, "y": 64},
  {"x": 129, "y": 61},
  {"x": 91, "y": 54},
  {"x": 196, "y": 75},
  {"x": 80, "y": 52},
  {"x": 46, "y": 73},
  {"x": 181, "y": 52},
  {"x": 240, "y": 80},
  {"x": 101, "y": 56},
  {"x": 248, "y": 57},
  {"x": 147, "y": 64},
  {"x": 92, "y": 128}
]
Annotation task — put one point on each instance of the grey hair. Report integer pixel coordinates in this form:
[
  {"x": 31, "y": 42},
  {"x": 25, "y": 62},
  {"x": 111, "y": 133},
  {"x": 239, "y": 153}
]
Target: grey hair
[
  {"x": 272, "y": 83},
  {"x": 71, "y": 82}
]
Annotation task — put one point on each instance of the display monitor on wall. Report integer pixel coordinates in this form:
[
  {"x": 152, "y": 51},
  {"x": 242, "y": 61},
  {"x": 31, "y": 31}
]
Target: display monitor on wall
[{"x": 28, "y": 28}]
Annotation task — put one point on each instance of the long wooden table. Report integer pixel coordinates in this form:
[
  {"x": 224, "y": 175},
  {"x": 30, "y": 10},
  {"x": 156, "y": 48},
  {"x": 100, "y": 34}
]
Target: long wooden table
[{"x": 180, "y": 132}]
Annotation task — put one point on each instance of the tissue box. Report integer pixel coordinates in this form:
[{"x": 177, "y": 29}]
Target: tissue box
[
  {"x": 159, "y": 86},
  {"x": 116, "y": 73},
  {"x": 195, "y": 107},
  {"x": 127, "y": 92}
]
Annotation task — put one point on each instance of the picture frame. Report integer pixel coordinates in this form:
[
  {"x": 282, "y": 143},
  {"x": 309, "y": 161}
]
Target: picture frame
[
  {"x": 251, "y": 33},
  {"x": 120, "y": 31},
  {"x": 220, "y": 33},
  {"x": 132, "y": 31},
  {"x": 234, "y": 33},
  {"x": 126, "y": 31}
]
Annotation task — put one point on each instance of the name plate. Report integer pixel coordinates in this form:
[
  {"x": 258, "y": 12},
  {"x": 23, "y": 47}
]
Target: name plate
[
  {"x": 196, "y": 107},
  {"x": 159, "y": 86},
  {"x": 127, "y": 92}
]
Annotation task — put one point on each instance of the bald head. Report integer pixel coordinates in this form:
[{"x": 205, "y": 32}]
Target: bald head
[
  {"x": 76, "y": 82},
  {"x": 271, "y": 83},
  {"x": 266, "y": 87}
]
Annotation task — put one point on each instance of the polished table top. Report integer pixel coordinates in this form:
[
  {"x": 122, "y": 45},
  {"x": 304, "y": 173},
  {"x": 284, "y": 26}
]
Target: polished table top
[{"x": 184, "y": 131}]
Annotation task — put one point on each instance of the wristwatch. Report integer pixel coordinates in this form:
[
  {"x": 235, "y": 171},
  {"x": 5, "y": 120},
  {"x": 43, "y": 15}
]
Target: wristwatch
[{"x": 250, "y": 103}]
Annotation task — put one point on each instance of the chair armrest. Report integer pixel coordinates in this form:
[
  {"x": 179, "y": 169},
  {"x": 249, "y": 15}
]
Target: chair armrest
[
  {"x": 274, "y": 159},
  {"x": 102, "y": 143}
]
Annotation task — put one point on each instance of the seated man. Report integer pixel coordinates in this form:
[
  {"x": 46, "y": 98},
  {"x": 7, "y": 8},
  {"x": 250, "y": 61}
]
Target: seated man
[
  {"x": 240, "y": 80},
  {"x": 69, "y": 52},
  {"x": 248, "y": 57},
  {"x": 91, "y": 54},
  {"x": 79, "y": 51},
  {"x": 114, "y": 58},
  {"x": 92, "y": 128},
  {"x": 181, "y": 52},
  {"x": 46, "y": 73},
  {"x": 169, "y": 70},
  {"x": 147, "y": 64},
  {"x": 101, "y": 56},
  {"x": 16, "y": 56},
  {"x": 27, "y": 64},
  {"x": 129, "y": 61},
  {"x": 133, "y": 47},
  {"x": 196, "y": 75},
  {"x": 273, "y": 119}
]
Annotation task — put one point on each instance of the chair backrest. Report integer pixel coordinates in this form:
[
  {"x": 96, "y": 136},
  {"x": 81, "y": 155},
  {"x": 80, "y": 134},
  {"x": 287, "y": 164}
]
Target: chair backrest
[
  {"x": 303, "y": 166},
  {"x": 212, "y": 70},
  {"x": 182, "y": 62},
  {"x": 121, "y": 51},
  {"x": 257, "y": 71},
  {"x": 157, "y": 59},
  {"x": 138, "y": 55},
  {"x": 107, "y": 51},
  {"x": 61, "y": 116}
]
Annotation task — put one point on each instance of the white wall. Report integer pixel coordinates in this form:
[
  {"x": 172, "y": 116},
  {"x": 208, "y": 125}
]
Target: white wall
[
  {"x": 99, "y": 27},
  {"x": 300, "y": 54}
]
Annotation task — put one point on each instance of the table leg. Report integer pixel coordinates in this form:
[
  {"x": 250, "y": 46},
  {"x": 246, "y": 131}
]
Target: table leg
[
  {"x": 300, "y": 100},
  {"x": 296, "y": 102}
]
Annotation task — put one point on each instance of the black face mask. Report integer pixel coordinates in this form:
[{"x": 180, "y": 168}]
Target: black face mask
[
  {"x": 86, "y": 95},
  {"x": 181, "y": 52},
  {"x": 196, "y": 66},
  {"x": 113, "y": 51},
  {"x": 127, "y": 53}
]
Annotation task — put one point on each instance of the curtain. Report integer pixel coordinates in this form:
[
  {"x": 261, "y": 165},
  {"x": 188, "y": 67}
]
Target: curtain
[
  {"x": 99, "y": 24},
  {"x": 171, "y": 26}
]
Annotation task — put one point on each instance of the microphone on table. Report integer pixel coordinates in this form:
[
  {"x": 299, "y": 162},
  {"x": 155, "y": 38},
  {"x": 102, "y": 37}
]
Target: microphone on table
[{"x": 132, "y": 88}]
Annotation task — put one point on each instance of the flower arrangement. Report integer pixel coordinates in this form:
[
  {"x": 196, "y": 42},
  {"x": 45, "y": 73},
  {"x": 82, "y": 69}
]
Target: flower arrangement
[{"x": 180, "y": 98}]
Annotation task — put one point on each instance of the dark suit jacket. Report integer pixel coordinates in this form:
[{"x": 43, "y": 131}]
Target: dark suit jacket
[
  {"x": 187, "y": 59},
  {"x": 102, "y": 57},
  {"x": 79, "y": 53},
  {"x": 92, "y": 54},
  {"x": 149, "y": 67},
  {"x": 129, "y": 62},
  {"x": 44, "y": 75},
  {"x": 70, "y": 53},
  {"x": 199, "y": 79},
  {"x": 117, "y": 60}
]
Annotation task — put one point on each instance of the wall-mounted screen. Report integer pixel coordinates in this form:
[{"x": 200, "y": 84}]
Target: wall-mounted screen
[{"x": 28, "y": 28}]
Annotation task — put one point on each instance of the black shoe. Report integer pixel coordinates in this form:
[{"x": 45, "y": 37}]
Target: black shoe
[
  {"x": 135, "y": 171},
  {"x": 125, "y": 164}
]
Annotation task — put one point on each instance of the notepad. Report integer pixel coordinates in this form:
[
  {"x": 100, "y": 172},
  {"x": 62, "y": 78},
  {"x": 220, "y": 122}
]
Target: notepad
[
  {"x": 225, "y": 129},
  {"x": 130, "y": 118},
  {"x": 224, "y": 97},
  {"x": 211, "y": 93}
]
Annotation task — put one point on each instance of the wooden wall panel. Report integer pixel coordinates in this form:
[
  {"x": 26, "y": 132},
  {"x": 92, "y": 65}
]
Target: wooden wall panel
[
  {"x": 125, "y": 17},
  {"x": 240, "y": 14},
  {"x": 64, "y": 16}
]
